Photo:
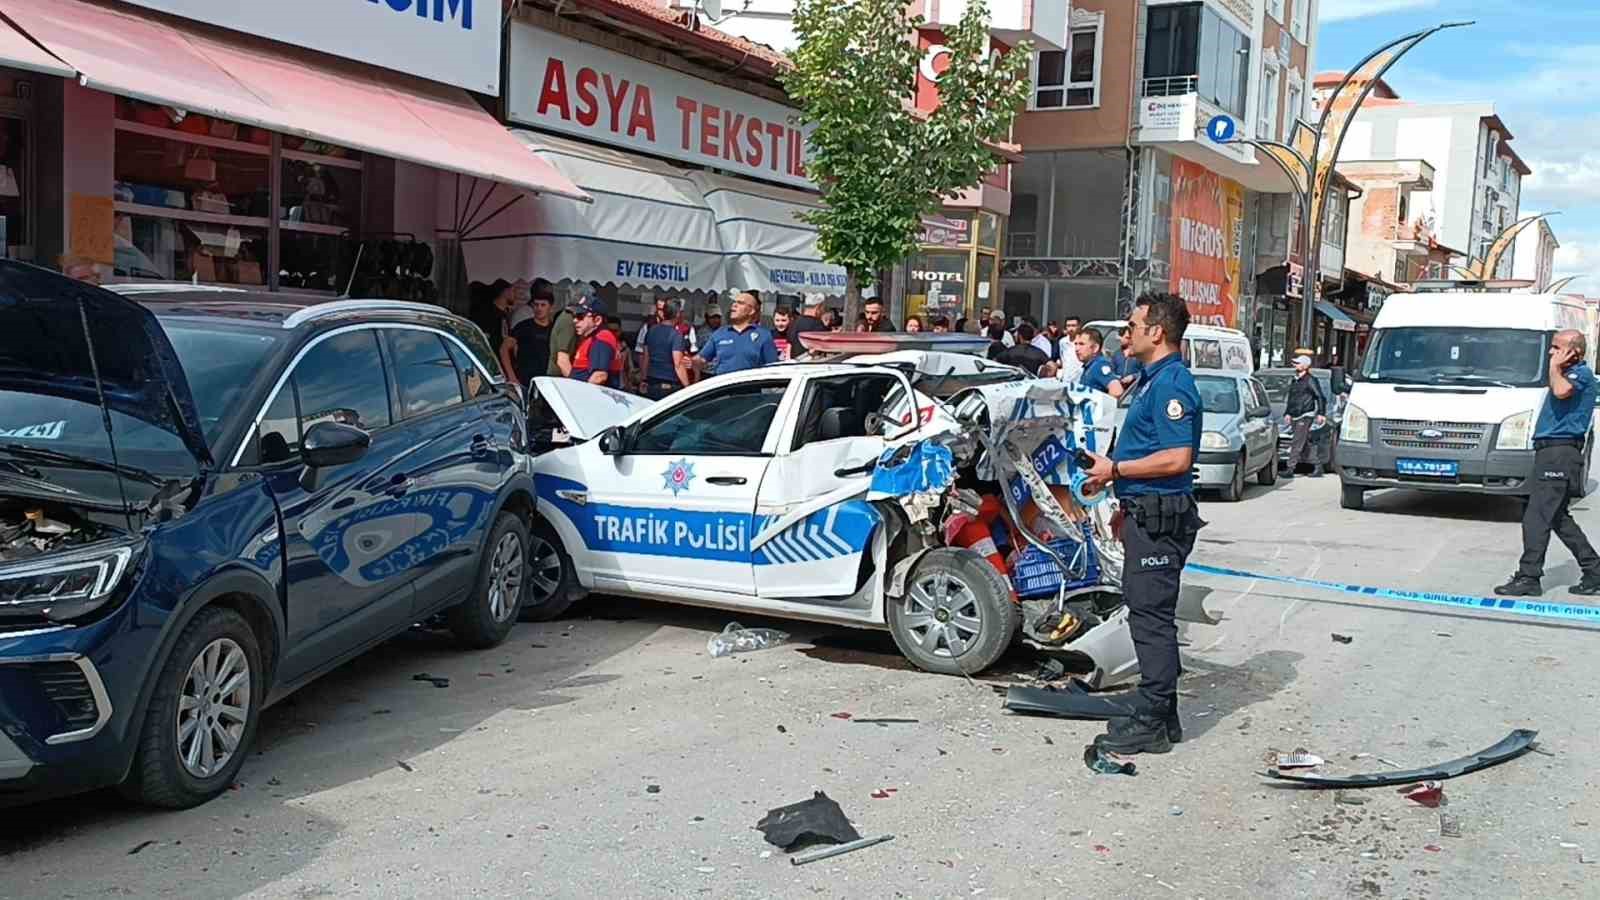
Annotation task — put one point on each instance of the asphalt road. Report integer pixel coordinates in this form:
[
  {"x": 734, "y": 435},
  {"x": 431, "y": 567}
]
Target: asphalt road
[{"x": 608, "y": 755}]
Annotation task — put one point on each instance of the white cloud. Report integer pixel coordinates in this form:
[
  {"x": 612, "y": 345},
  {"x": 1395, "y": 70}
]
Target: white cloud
[
  {"x": 1344, "y": 10},
  {"x": 1579, "y": 256}
]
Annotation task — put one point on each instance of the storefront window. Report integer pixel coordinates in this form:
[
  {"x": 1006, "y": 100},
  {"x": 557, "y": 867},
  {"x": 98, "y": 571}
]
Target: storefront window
[
  {"x": 194, "y": 201},
  {"x": 937, "y": 284},
  {"x": 15, "y": 179},
  {"x": 988, "y": 231}
]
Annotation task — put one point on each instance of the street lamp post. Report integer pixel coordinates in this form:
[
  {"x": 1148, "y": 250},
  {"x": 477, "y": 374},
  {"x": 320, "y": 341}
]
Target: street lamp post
[{"x": 1311, "y": 170}]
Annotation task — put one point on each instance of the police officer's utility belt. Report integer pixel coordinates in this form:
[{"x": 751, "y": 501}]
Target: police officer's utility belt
[
  {"x": 1159, "y": 515},
  {"x": 1542, "y": 443}
]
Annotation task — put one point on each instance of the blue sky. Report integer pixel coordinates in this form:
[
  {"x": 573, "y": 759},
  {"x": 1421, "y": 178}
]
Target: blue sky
[{"x": 1538, "y": 61}]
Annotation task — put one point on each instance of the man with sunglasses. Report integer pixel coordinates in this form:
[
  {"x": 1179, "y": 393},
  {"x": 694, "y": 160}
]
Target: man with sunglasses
[
  {"x": 599, "y": 356},
  {"x": 1152, "y": 470},
  {"x": 741, "y": 344}
]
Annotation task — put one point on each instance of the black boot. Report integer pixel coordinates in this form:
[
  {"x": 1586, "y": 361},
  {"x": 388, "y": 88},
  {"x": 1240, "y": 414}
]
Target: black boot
[
  {"x": 1587, "y": 586},
  {"x": 1174, "y": 728},
  {"x": 1520, "y": 586},
  {"x": 1316, "y": 471},
  {"x": 1135, "y": 734}
]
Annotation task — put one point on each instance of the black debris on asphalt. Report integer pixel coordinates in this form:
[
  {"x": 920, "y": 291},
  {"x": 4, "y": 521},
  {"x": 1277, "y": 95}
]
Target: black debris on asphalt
[
  {"x": 884, "y": 723},
  {"x": 404, "y": 765},
  {"x": 652, "y": 789},
  {"x": 438, "y": 681},
  {"x": 1342, "y": 638},
  {"x": 1507, "y": 748},
  {"x": 782, "y": 730},
  {"x": 1105, "y": 763},
  {"x": 815, "y": 821},
  {"x": 140, "y": 846}
]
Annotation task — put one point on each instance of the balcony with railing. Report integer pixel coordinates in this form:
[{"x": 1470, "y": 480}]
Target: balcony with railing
[{"x": 1171, "y": 86}]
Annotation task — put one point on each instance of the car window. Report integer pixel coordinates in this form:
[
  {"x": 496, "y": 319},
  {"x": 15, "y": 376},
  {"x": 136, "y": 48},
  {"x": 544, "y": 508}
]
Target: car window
[
  {"x": 477, "y": 343},
  {"x": 423, "y": 372},
  {"x": 342, "y": 380},
  {"x": 472, "y": 383},
  {"x": 280, "y": 428},
  {"x": 1260, "y": 393},
  {"x": 1205, "y": 354},
  {"x": 1217, "y": 394},
  {"x": 838, "y": 407},
  {"x": 731, "y": 421}
]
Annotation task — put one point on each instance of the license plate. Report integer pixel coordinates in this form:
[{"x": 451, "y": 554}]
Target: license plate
[{"x": 1429, "y": 468}]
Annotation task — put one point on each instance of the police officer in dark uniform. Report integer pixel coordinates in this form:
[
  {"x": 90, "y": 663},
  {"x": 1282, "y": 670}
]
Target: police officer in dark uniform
[
  {"x": 1559, "y": 439},
  {"x": 1152, "y": 467}
]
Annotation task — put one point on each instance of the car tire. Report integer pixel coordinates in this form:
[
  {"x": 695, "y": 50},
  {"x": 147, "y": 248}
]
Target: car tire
[
  {"x": 1268, "y": 476},
  {"x": 1352, "y": 497},
  {"x": 552, "y": 579},
  {"x": 962, "y": 629},
  {"x": 1233, "y": 491},
  {"x": 487, "y": 616},
  {"x": 172, "y": 770}
]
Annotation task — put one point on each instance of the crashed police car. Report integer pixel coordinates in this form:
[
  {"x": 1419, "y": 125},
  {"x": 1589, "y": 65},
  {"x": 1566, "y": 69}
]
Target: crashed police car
[{"x": 885, "y": 481}]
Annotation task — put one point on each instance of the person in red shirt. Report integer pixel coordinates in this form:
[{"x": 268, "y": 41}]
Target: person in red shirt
[{"x": 599, "y": 356}]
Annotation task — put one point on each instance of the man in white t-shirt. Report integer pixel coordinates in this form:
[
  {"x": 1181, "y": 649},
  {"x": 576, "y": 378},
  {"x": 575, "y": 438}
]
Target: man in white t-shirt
[{"x": 1071, "y": 368}]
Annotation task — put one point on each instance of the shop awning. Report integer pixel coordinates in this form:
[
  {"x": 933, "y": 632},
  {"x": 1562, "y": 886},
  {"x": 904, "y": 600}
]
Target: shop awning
[
  {"x": 1341, "y": 322},
  {"x": 20, "y": 53},
  {"x": 198, "y": 69},
  {"x": 649, "y": 225},
  {"x": 768, "y": 247}
]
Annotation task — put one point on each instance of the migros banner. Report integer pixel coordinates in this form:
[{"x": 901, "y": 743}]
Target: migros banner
[{"x": 1207, "y": 238}]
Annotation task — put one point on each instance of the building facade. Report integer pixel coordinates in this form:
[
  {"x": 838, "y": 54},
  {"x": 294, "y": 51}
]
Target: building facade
[
  {"x": 1536, "y": 255},
  {"x": 1477, "y": 181}
]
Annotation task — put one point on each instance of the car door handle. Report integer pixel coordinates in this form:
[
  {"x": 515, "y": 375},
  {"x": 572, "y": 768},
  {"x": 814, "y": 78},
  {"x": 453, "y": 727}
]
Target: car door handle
[
  {"x": 727, "y": 479},
  {"x": 398, "y": 485}
]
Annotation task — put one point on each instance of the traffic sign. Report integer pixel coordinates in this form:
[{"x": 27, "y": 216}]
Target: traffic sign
[{"x": 1221, "y": 129}]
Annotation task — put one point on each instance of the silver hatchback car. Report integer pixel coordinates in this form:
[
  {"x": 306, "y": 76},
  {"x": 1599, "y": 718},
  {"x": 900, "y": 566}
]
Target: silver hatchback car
[{"x": 1238, "y": 438}]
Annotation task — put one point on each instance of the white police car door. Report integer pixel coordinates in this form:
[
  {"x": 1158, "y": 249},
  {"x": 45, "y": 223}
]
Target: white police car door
[
  {"x": 813, "y": 525},
  {"x": 674, "y": 509}
]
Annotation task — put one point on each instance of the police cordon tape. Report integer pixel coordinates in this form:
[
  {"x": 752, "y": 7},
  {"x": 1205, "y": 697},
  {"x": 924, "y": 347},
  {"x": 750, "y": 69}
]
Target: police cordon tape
[{"x": 1572, "y": 612}]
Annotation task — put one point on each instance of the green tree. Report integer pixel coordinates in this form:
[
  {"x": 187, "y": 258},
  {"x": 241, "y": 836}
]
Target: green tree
[{"x": 881, "y": 165}]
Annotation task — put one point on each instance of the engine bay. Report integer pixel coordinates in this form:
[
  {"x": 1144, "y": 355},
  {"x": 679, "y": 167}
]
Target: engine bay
[{"x": 31, "y": 528}]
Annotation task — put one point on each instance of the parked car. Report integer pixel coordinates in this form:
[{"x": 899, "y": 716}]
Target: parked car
[
  {"x": 862, "y": 492},
  {"x": 208, "y": 499},
  {"x": 1323, "y": 437},
  {"x": 1204, "y": 346},
  {"x": 1238, "y": 439}
]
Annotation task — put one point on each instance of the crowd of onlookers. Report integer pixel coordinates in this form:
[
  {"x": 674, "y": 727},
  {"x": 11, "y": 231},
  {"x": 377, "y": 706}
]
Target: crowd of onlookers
[{"x": 584, "y": 340}]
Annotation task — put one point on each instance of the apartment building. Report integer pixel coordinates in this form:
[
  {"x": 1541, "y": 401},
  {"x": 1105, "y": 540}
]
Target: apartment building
[
  {"x": 1536, "y": 255},
  {"x": 1477, "y": 180}
]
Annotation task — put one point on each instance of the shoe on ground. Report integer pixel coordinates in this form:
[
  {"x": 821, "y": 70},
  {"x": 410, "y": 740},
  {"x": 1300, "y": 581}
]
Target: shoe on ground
[
  {"x": 1135, "y": 734},
  {"x": 1174, "y": 729},
  {"x": 1521, "y": 586},
  {"x": 1588, "y": 586},
  {"x": 1286, "y": 473},
  {"x": 1316, "y": 471}
]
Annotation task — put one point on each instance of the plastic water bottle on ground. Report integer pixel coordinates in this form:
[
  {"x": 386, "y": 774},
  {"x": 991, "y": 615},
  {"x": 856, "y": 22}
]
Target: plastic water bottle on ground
[{"x": 738, "y": 639}]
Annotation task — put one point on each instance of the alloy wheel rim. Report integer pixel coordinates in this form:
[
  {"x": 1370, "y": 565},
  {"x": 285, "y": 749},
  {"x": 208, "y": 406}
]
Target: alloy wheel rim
[
  {"x": 942, "y": 614},
  {"x": 505, "y": 577},
  {"x": 544, "y": 571},
  {"x": 213, "y": 708}
]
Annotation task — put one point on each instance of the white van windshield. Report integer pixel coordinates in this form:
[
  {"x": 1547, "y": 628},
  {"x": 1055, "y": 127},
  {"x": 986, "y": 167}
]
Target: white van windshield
[{"x": 1505, "y": 357}]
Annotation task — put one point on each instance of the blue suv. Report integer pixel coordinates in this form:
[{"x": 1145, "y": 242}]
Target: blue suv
[{"x": 210, "y": 498}]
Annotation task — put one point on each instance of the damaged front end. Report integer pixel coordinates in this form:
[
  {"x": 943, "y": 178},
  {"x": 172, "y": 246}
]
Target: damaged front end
[{"x": 995, "y": 471}]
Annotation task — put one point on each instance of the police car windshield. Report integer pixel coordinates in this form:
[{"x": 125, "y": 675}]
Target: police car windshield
[
  {"x": 1217, "y": 394},
  {"x": 1445, "y": 355}
]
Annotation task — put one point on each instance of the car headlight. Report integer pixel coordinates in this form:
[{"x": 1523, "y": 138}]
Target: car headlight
[
  {"x": 1354, "y": 428},
  {"x": 1213, "y": 440},
  {"x": 66, "y": 585},
  {"x": 1516, "y": 432}
]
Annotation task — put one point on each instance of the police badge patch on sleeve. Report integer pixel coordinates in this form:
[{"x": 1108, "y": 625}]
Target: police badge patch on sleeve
[{"x": 1174, "y": 409}]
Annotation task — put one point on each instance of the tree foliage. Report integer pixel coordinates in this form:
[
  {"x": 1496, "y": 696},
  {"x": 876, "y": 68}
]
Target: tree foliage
[{"x": 881, "y": 165}]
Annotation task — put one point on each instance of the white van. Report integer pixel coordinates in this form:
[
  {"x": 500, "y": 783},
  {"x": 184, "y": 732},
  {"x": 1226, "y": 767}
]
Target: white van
[
  {"x": 1449, "y": 392},
  {"x": 1204, "y": 346}
]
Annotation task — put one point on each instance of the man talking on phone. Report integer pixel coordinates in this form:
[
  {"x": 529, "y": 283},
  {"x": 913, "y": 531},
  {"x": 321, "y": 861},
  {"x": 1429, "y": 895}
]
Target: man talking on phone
[{"x": 1558, "y": 447}]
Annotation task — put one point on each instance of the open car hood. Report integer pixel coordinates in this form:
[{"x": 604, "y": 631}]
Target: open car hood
[
  {"x": 584, "y": 409},
  {"x": 42, "y": 315}
]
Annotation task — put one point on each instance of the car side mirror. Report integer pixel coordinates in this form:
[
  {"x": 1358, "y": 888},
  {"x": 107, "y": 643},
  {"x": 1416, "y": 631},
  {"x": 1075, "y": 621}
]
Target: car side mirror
[
  {"x": 612, "y": 441},
  {"x": 328, "y": 444}
]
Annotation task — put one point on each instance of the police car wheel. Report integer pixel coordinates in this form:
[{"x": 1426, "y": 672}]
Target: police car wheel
[
  {"x": 956, "y": 616},
  {"x": 489, "y": 613},
  {"x": 552, "y": 582}
]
